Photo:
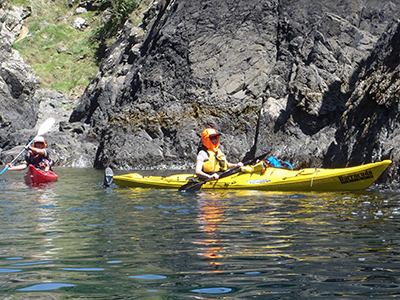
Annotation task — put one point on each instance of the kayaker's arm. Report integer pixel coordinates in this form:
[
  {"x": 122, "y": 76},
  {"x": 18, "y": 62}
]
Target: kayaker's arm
[
  {"x": 17, "y": 168},
  {"x": 40, "y": 151},
  {"x": 231, "y": 166}
]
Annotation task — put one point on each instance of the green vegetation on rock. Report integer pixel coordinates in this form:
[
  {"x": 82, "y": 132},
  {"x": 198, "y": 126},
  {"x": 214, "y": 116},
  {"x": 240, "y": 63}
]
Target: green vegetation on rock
[
  {"x": 121, "y": 10},
  {"x": 62, "y": 56},
  {"x": 66, "y": 58}
]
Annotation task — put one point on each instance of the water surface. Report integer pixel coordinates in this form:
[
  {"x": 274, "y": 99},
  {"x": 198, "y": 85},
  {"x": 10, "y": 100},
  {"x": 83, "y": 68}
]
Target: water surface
[{"x": 78, "y": 240}]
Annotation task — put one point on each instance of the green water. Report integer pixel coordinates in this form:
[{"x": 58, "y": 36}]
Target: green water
[{"x": 78, "y": 240}]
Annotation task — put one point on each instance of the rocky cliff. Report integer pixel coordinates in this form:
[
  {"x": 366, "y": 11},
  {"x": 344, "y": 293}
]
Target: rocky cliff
[
  {"x": 314, "y": 83},
  {"x": 369, "y": 127},
  {"x": 25, "y": 106}
]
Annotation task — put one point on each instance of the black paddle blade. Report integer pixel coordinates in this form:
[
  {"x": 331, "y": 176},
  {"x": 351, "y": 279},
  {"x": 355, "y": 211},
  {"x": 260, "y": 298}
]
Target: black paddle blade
[
  {"x": 108, "y": 177},
  {"x": 191, "y": 186}
]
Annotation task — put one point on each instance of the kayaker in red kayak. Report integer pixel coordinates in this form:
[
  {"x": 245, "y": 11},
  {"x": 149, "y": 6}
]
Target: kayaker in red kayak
[
  {"x": 38, "y": 156},
  {"x": 210, "y": 159}
]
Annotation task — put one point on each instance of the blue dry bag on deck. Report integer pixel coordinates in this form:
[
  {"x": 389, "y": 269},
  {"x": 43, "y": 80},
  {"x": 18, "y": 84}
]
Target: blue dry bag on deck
[
  {"x": 273, "y": 162},
  {"x": 287, "y": 165},
  {"x": 276, "y": 163}
]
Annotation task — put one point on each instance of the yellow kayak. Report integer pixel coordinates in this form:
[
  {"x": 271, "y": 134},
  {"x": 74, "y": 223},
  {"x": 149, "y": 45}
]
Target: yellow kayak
[{"x": 271, "y": 179}]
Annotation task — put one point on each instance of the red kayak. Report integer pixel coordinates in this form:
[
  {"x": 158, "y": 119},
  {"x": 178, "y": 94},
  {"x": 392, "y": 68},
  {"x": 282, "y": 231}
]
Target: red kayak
[{"x": 35, "y": 176}]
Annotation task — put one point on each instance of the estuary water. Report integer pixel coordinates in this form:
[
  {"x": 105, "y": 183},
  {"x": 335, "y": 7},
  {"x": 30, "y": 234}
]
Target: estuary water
[{"x": 78, "y": 240}]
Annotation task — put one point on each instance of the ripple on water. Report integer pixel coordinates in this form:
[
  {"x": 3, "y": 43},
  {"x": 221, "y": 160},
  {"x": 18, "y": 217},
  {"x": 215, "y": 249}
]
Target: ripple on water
[
  {"x": 82, "y": 269},
  {"x": 45, "y": 287},
  {"x": 148, "y": 276},
  {"x": 33, "y": 263},
  {"x": 215, "y": 290},
  {"x": 10, "y": 270}
]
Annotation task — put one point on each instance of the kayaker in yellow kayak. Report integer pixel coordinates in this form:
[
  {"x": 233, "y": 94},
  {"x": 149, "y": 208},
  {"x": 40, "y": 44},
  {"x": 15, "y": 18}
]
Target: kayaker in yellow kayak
[
  {"x": 38, "y": 156},
  {"x": 210, "y": 159}
]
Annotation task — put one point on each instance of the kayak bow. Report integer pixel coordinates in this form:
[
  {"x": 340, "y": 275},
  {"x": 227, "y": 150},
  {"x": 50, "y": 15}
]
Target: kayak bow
[{"x": 35, "y": 176}]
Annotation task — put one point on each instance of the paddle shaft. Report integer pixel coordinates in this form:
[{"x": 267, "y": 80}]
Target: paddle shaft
[
  {"x": 6, "y": 168},
  {"x": 197, "y": 186}
]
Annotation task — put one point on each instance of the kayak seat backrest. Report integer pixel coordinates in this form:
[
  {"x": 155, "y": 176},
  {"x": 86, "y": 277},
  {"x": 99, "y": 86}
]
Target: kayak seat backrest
[{"x": 257, "y": 168}]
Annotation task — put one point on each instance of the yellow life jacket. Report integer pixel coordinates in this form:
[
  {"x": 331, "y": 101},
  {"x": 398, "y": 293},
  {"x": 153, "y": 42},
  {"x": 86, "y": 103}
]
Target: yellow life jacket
[{"x": 216, "y": 162}]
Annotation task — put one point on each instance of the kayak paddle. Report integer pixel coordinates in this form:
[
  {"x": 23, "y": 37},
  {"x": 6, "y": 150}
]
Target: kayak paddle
[
  {"x": 42, "y": 130},
  {"x": 196, "y": 186}
]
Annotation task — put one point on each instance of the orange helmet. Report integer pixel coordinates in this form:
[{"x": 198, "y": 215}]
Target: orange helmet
[
  {"x": 206, "y": 135},
  {"x": 39, "y": 139}
]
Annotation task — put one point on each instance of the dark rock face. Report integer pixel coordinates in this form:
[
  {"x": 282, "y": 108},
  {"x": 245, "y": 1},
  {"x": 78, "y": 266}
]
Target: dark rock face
[
  {"x": 369, "y": 128},
  {"x": 17, "y": 84},
  {"x": 153, "y": 106},
  {"x": 273, "y": 76}
]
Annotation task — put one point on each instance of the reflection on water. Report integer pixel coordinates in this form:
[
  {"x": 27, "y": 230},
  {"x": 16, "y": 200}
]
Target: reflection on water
[
  {"x": 76, "y": 239},
  {"x": 210, "y": 214}
]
